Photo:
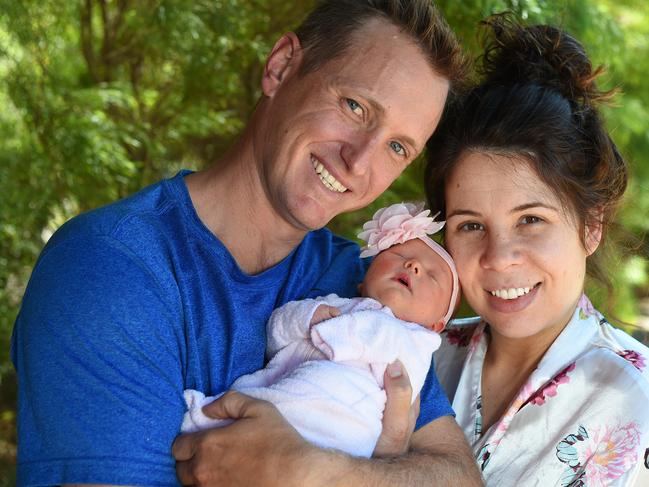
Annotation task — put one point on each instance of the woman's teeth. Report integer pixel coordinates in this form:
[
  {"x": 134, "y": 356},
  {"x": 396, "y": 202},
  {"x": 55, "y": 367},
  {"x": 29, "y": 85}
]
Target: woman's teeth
[
  {"x": 330, "y": 182},
  {"x": 511, "y": 293}
]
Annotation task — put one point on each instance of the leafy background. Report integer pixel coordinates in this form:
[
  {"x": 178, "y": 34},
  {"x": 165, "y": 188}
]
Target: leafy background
[{"x": 102, "y": 97}]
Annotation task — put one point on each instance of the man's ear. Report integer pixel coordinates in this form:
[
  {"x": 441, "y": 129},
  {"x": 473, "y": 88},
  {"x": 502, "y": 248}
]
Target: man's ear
[
  {"x": 283, "y": 60},
  {"x": 593, "y": 228}
]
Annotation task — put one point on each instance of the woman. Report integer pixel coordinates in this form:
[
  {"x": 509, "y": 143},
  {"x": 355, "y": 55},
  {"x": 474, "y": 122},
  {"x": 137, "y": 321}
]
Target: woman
[{"x": 545, "y": 389}]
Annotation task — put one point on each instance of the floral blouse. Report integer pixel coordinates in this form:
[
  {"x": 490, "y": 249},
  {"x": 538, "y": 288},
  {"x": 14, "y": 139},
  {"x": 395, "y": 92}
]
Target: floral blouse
[{"x": 581, "y": 419}]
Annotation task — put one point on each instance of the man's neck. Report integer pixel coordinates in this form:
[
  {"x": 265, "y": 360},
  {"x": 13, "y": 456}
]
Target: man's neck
[{"x": 231, "y": 202}]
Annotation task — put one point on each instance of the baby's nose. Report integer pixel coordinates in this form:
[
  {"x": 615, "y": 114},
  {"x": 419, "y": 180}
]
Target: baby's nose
[{"x": 413, "y": 265}]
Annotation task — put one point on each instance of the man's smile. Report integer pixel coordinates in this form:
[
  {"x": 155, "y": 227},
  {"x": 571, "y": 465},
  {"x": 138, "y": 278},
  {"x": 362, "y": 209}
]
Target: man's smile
[{"x": 330, "y": 182}]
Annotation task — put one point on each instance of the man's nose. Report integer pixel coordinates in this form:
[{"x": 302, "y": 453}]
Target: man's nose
[
  {"x": 500, "y": 252},
  {"x": 359, "y": 152}
]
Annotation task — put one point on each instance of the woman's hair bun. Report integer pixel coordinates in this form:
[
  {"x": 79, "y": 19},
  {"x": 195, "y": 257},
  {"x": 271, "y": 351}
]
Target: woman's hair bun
[{"x": 542, "y": 54}]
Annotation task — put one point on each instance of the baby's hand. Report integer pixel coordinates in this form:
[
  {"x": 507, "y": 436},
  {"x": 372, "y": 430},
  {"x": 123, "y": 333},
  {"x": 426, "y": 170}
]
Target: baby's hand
[{"x": 324, "y": 312}]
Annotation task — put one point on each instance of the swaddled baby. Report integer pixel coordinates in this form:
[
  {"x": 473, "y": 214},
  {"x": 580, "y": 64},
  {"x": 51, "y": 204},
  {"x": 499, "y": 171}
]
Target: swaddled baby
[{"x": 329, "y": 354}]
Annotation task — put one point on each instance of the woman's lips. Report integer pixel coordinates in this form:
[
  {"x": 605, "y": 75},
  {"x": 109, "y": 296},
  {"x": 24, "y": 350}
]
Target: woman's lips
[{"x": 512, "y": 305}]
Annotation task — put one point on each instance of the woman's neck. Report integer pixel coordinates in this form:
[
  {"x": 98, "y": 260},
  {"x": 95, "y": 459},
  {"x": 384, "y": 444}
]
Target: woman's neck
[
  {"x": 508, "y": 364},
  {"x": 520, "y": 355}
]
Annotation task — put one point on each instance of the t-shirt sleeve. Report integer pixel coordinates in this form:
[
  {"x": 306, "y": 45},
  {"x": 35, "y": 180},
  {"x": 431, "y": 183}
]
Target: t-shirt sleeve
[
  {"x": 98, "y": 349},
  {"x": 434, "y": 403}
]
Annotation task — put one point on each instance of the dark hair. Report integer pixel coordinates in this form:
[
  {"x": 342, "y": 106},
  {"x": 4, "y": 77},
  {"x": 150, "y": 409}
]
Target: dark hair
[
  {"x": 329, "y": 29},
  {"x": 538, "y": 101}
]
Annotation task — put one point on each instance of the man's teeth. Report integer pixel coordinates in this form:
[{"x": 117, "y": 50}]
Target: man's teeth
[
  {"x": 327, "y": 179},
  {"x": 511, "y": 293}
]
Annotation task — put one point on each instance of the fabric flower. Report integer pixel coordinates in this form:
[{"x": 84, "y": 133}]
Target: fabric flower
[{"x": 396, "y": 224}]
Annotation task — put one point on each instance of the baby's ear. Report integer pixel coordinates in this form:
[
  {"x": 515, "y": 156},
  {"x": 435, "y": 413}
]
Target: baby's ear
[
  {"x": 360, "y": 288},
  {"x": 438, "y": 327}
]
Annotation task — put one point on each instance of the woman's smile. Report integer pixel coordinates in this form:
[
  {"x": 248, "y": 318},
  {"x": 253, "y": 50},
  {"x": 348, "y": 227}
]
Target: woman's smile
[{"x": 517, "y": 299}]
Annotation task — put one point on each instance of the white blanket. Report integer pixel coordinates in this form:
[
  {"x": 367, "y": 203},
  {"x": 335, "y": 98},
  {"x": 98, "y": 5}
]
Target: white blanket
[{"x": 327, "y": 380}]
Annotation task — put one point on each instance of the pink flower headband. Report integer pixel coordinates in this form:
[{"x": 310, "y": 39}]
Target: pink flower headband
[{"x": 398, "y": 223}]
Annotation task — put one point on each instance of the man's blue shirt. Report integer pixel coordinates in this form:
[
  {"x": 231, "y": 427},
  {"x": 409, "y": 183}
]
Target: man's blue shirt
[{"x": 131, "y": 304}]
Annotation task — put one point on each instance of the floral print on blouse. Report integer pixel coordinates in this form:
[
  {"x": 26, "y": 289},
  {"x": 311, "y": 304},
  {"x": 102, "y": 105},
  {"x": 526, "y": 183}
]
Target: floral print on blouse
[{"x": 581, "y": 419}]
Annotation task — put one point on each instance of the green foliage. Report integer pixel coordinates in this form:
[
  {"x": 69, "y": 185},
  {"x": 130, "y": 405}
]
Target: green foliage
[{"x": 101, "y": 97}]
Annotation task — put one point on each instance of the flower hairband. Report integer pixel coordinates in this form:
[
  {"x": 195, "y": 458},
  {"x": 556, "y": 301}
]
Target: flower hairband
[
  {"x": 396, "y": 224},
  {"x": 400, "y": 222}
]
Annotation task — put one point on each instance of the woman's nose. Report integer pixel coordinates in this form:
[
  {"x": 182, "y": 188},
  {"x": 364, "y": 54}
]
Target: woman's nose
[
  {"x": 413, "y": 265},
  {"x": 500, "y": 252}
]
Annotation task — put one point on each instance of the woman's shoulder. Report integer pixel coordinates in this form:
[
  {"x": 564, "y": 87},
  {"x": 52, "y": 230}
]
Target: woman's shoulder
[
  {"x": 459, "y": 338},
  {"x": 623, "y": 346},
  {"x": 620, "y": 357}
]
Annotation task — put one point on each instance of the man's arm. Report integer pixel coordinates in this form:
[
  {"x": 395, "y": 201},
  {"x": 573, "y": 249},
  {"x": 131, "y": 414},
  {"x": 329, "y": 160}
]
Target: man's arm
[
  {"x": 438, "y": 455},
  {"x": 99, "y": 363},
  {"x": 262, "y": 449}
]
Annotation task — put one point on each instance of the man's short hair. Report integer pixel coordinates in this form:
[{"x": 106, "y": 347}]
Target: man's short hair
[{"x": 328, "y": 30}]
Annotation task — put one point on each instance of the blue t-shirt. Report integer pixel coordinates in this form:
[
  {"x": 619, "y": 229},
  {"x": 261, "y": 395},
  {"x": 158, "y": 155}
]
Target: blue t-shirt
[{"x": 129, "y": 305}]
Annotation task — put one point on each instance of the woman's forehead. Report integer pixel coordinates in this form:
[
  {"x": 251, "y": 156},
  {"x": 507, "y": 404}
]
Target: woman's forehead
[{"x": 502, "y": 178}]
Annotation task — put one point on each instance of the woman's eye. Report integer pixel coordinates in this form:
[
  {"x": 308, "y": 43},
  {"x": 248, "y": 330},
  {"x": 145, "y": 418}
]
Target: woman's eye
[
  {"x": 529, "y": 219},
  {"x": 470, "y": 227},
  {"x": 398, "y": 148},
  {"x": 355, "y": 107}
]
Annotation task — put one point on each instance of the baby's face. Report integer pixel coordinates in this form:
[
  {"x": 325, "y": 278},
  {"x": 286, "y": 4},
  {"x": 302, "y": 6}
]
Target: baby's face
[{"x": 413, "y": 281}]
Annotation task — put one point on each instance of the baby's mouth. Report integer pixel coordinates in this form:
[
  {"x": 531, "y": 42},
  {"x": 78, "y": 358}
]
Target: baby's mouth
[{"x": 403, "y": 279}]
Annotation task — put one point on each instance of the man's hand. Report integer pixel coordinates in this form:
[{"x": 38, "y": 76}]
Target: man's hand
[
  {"x": 259, "y": 449},
  {"x": 324, "y": 312},
  {"x": 399, "y": 416}
]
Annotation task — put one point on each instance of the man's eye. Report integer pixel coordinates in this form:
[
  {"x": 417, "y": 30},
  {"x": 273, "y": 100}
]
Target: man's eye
[
  {"x": 398, "y": 148},
  {"x": 470, "y": 227},
  {"x": 355, "y": 107}
]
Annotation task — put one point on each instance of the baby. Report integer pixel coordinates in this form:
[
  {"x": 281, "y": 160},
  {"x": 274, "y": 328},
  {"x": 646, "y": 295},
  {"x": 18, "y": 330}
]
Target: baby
[{"x": 329, "y": 354}]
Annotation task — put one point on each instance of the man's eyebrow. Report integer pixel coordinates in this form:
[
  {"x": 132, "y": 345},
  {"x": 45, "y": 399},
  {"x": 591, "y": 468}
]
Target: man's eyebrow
[{"x": 517, "y": 209}]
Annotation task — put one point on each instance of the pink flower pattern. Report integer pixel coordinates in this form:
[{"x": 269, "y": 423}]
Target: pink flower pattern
[
  {"x": 586, "y": 308},
  {"x": 637, "y": 360},
  {"x": 460, "y": 336},
  {"x": 608, "y": 452},
  {"x": 550, "y": 388}
]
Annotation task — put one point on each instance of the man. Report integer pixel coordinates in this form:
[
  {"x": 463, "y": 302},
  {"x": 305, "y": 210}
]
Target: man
[{"x": 170, "y": 289}]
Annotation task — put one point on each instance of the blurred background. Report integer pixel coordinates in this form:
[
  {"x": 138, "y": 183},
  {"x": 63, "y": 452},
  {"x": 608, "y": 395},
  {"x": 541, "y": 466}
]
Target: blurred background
[{"x": 99, "y": 98}]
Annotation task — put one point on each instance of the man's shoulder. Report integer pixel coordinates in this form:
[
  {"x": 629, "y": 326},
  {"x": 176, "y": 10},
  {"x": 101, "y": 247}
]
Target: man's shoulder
[
  {"x": 143, "y": 206},
  {"x": 337, "y": 261}
]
